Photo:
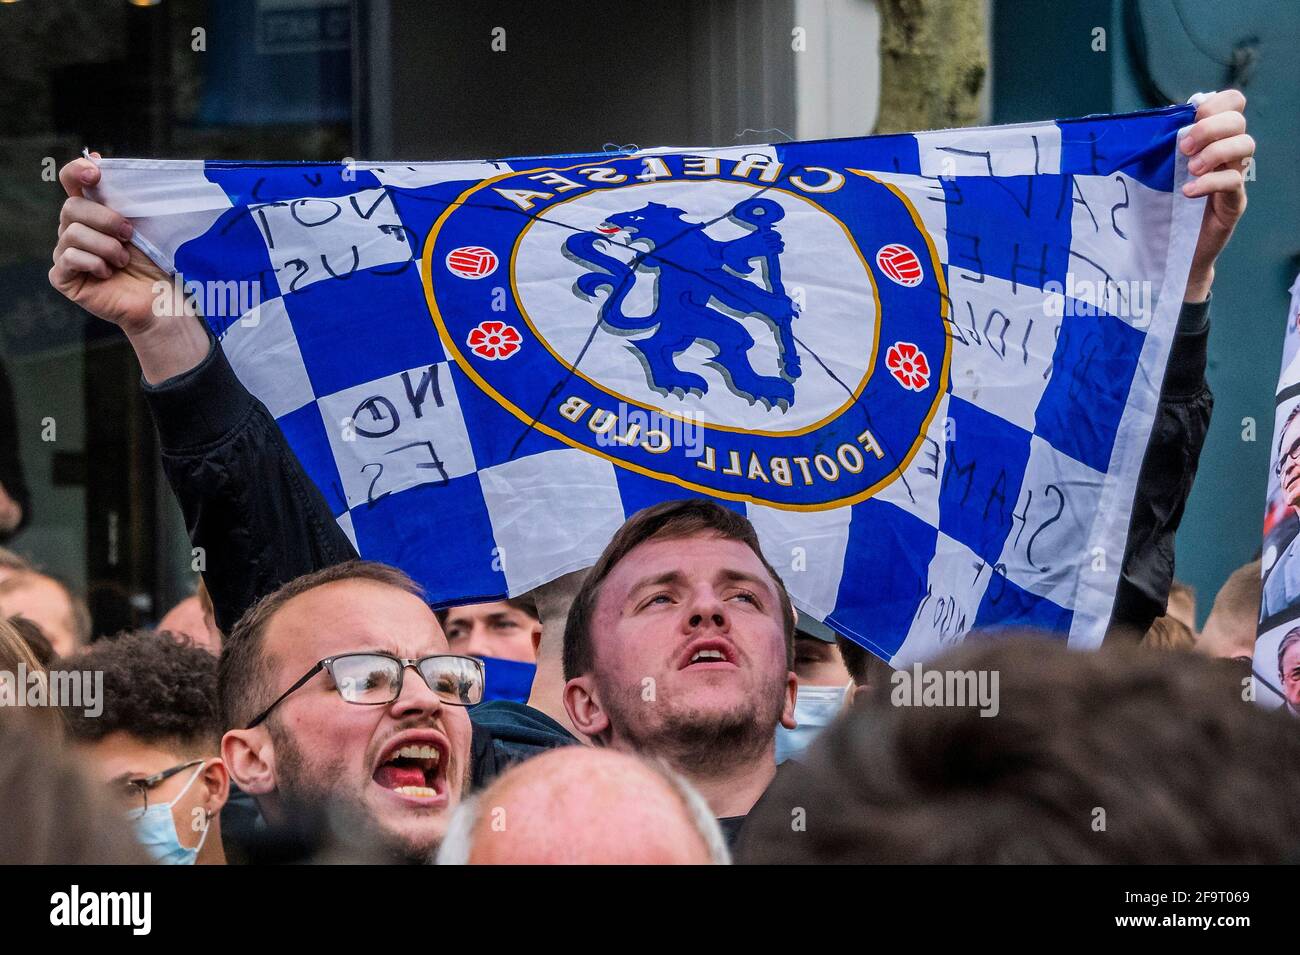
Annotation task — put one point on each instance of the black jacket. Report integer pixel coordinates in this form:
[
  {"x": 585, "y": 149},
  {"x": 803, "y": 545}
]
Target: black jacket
[{"x": 262, "y": 522}]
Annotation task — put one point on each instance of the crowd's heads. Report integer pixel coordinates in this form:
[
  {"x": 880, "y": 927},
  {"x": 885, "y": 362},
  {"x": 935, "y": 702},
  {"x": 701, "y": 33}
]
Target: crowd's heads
[
  {"x": 35, "y": 639},
  {"x": 817, "y": 657},
  {"x": 15, "y": 650},
  {"x": 1231, "y": 626},
  {"x": 505, "y": 629},
  {"x": 680, "y": 642},
  {"x": 54, "y": 815},
  {"x": 579, "y": 805},
  {"x": 1120, "y": 756},
  {"x": 1182, "y": 605},
  {"x": 194, "y": 618},
  {"x": 868, "y": 672},
  {"x": 402, "y": 762},
  {"x": 18, "y": 661},
  {"x": 825, "y": 687},
  {"x": 1168, "y": 633},
  {"x": 1288, "y": 667},
  {"x": 51, "y": 605},
  {"x": 157, "y": 741}
]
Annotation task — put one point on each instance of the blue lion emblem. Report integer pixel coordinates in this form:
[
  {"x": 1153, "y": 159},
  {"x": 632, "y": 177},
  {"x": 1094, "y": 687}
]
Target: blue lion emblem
[{"x": 694, "y": 270}]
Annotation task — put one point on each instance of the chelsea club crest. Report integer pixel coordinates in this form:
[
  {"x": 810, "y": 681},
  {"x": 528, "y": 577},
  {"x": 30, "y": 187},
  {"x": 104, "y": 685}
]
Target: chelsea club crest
[{"x": 736, "y": 326}]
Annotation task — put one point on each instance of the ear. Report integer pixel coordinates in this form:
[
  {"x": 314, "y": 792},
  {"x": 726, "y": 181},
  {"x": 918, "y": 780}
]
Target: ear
[
  {"x": 791, "y": 694},
  {"x": 249, "y": 757},
  {"x": 537, "y": 638},
  {"x": 582, "y": 704},
  {"x": 216, "y": 780}
]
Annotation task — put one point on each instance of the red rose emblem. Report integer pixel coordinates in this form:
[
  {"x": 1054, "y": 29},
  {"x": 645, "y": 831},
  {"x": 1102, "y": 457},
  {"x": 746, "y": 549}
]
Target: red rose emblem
[
  {"x": 494, "y": 341},
  {"x": 907, "y": 364}
]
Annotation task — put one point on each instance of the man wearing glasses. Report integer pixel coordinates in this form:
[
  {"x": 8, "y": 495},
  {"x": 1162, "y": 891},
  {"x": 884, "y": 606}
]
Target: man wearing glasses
[
  {"x": 1282, "y": 586},
  {"x": 341, "y": 692},
  {"x": 158, "y": 743}
]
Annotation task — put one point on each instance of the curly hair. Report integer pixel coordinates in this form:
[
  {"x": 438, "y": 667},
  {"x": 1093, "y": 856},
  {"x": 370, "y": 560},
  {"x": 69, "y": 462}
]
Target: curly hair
[{"x": 156, "y": 689}]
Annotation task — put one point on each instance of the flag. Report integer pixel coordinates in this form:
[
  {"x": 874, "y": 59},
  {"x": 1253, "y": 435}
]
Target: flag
[{"x": 925, "y": 366}]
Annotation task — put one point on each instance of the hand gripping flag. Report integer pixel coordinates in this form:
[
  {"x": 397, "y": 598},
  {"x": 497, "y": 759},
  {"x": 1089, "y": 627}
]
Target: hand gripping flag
[{"x": 924, "y": 366}]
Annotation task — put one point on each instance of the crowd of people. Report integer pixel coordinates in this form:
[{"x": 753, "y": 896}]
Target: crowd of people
[{"x": 306, "y": 704}]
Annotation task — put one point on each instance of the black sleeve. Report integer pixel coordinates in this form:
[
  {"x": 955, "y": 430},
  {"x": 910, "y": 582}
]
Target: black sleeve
[
  {"x": 1177, "y": 436},
  {"x": 247, "y": 501},
  {"x": 11, "y": 465}
]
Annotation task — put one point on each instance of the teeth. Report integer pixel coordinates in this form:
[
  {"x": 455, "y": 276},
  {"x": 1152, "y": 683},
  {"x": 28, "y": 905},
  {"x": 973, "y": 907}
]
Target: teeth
[
  {"x": 419, "y": 792},
  {"x": 708, "y": 655},
  {"x": 417, "y": 752}
]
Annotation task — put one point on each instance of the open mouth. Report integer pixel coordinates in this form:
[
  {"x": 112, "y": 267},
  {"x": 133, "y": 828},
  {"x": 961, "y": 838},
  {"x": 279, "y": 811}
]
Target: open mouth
[
  {"x": 415, "y": 768},
  {"x": 708, "y": 654}
]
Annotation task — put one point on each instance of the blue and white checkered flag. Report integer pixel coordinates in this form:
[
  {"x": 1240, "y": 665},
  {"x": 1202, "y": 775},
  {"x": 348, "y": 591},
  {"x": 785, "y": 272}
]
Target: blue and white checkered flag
[{"x": 925, "y": 366}]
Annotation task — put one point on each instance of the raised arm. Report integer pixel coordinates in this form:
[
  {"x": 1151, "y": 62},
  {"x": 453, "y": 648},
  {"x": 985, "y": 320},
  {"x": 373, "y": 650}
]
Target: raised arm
[
  {"x": 1218, "y": 148},
  {"x": 248, "y": 504}
]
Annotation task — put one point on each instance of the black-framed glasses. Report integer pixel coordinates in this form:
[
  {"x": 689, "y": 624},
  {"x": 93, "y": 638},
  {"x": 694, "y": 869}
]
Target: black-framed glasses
[
  {"x": 1292, "y": 452},
  {"x": 136, "y": 791},
  {"x": 373, "y": 679}
]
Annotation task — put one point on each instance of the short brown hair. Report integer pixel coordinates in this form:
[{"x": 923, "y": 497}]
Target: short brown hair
[
  {"x": 1168, "y": 633},
  {"x": 35, "y": 639},
  {"x": 14, "y": 649},
  {"x": 244, "y": 670},
  {"x": 671, "y": 520},
  {"x": 1239, "y": 597},
  {"x": 524, "y": 604},
  {"x": 865, "y": 668}
]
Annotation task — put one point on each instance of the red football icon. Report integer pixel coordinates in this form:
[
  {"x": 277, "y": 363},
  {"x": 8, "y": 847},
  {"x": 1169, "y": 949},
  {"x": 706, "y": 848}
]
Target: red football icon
[
  {"x": 900, "y": 264},
  {"x": 472, "y": 261}
]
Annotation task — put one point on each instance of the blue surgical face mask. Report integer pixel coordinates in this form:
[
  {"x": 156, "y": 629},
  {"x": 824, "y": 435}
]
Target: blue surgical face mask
[
  {"x": 155, "y": 829},
  {"x": 507, "y": 679},
  {"x": 814, "y": 709}
]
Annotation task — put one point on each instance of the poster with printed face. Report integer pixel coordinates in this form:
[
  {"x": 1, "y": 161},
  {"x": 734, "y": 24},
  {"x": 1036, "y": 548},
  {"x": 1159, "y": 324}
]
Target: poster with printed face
[{"x": 1277, "y": 650}]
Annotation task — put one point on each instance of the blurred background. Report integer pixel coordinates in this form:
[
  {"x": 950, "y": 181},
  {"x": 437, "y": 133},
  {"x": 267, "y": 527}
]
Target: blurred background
[{"x": 426, "y": 79}]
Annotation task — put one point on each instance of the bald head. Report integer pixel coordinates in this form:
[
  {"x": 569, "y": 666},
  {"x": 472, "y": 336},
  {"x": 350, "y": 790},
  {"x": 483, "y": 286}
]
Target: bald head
[{"x": 580, "y": 805}]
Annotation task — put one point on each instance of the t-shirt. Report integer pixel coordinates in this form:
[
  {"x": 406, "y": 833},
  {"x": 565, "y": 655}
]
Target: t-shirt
[{"x": 733, "y": 827}]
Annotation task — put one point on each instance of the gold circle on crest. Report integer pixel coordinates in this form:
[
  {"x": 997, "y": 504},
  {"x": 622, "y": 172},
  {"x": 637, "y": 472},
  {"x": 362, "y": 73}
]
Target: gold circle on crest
[{"x": 453, "y": 351}]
